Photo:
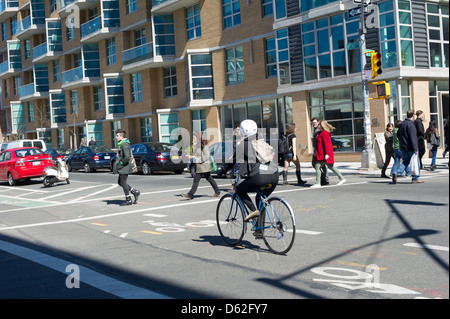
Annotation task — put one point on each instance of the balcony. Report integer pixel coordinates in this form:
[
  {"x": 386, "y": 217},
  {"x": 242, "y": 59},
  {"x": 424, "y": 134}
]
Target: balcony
[
  {"x": 76, "y": 78},
  {"x": 66, "y": 6},
  {"x": 169, "y": 6},
  {"x": 29, "y": 27},
  {"x": 139, "y": 58},
  {"x": 8, "y": 8},
  {"x": 33, "y": 92},
  {"x": 42, "y": 53},
  {"x": 95, "y": 30},
  {"x": 13, "y": 66}
]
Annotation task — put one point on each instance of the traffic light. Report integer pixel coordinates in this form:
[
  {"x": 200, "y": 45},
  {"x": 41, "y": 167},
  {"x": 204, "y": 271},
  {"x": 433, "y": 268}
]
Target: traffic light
[
  {"x": 376, "y": 64},
  {"x": 383, "y": 90}
]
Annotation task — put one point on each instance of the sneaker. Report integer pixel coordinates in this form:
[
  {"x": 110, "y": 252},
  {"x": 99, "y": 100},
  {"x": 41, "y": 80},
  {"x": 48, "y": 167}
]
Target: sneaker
[
  {"x": 341, "y": 182},
  {"x": 316, "y": 186},
  {"x": 251, "y": 216},
  {"x": 418, "y": 181},
  {"x": 187, "y": 196},
  {"x": 215, "y": 195},
  {"x": 394, "y": 178}
]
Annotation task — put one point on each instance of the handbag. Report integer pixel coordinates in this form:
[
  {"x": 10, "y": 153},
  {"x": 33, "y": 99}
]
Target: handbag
[
  {"x": 414, "y": 164},
  {"x": 134, "y": 168},
  {"x": 434, "y": 140},
  {"x": 213, "y": 164}
]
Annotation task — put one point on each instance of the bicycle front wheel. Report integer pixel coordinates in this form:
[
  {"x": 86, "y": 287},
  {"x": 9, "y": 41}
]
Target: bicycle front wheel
[
  {"x": 230, "y": 220},
  {"x": 278, "y": 221}
]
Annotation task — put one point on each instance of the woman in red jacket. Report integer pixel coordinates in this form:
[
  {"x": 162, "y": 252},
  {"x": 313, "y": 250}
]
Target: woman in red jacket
[{"x": 324, "y": 153}]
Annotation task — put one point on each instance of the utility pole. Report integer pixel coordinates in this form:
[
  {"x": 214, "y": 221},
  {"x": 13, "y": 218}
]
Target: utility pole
[{"x": 368, "y": 160}]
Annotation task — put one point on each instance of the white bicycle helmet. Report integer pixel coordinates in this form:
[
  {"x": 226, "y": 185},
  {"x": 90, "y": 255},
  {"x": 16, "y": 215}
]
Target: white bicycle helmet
[{"x": 249, "y": 128}]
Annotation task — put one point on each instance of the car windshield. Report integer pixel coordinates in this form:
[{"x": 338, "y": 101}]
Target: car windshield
[
  {"x": 160, "y": 147},
  {"x": 28, "y": 151},
  {"x": 101, "y": 149}
]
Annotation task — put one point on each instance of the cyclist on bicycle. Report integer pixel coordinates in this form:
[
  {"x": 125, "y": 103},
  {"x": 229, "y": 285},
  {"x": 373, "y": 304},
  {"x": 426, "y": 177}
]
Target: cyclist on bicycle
[{"x": 245, "y": 156}]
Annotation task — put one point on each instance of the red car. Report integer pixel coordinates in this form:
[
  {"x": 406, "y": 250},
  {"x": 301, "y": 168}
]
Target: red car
[{"x": 23, "y": 163}]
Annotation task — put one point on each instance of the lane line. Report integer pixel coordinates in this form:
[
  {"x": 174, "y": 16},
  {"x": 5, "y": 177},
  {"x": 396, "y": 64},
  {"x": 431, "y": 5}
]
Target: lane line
[{"x": 87, "y": 276}]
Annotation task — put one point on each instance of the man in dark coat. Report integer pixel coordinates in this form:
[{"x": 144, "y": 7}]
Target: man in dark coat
[
  {"x": 407, "y": 135},
  {"x": 420, "y": 135}
]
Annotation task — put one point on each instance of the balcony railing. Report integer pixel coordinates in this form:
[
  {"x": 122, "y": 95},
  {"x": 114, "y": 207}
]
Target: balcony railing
[
  {"x": 91, "y": 26},
  {"x": 8, "y": 4},
  {"x": 136, "y": 54},
  {"x": 72, "y": 75},
  {"x": 40, "y": 50}
]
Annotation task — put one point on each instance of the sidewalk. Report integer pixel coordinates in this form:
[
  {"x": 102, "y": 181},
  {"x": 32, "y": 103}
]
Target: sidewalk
[{"x": 348, "y": 168}]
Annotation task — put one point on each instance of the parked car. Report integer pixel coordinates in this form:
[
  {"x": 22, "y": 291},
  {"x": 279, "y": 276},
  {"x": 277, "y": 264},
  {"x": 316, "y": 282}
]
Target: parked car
[
  {"x": 221, "y": 153},
  {"x": 153, "y": 157},
  {"x": 90, "y": 158},
  {"x": 27, "y": 143},
  {"x": 17, "y": 164},
  {"x": 56, "y": 153}
]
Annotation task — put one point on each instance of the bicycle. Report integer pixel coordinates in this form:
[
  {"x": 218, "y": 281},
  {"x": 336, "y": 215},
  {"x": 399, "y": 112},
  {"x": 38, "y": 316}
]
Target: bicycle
[{"x": 275, "y": 223}]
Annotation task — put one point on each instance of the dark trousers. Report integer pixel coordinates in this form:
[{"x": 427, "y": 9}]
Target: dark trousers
[
  {"x": 422, "y": 150},
  {"x": 208, "y": 177},
  {"x": 123, "y": 183},
  {"x": 389, "y": 155},
  {"x": 253, "y": 184}
]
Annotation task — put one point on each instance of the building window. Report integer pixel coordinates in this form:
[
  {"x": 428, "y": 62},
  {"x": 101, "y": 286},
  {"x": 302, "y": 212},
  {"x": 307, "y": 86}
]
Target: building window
[
  {"x": 164, "y": 34},
  {"x": 95, "y": 130},
  {"x": 114, "y": 95},
  {"x": 198, "y": 121},
  {"x": 58, "y": 107},
  {"x": 4, "y": 36},
  {"x": 52, "y": 6},
  {"x": 311, "y": 4},
  {"x": 98, "y": 98},
  {"x": 140, "y": 37},
  {"x": 60, "y": 138},
  {"x": 131, "y": 6},
  {"x": 438, "y": 29},
  {"x": 201, "y": 75},
  {"x": 146, "y": 130},
  {"x": 231, "y": 13},
  {"x": 193, "y": 23},
  {"x": 168, "y": 122},
  {"x": 343, "y": 108},
  {"x": 70, "y": 28},
  {"x": 283, "y": 57},
  {"x": 405, "y": 27},
  {"x": 18, "y": 118},
  {"x": 267, "y": 8},
  {"x": 111, "y": 51},
  {"x": 136, "y": 87},
  {"x": 27, "y": 49},
  {"x": 235, "y": 65},
  {"x": 30, "y": 112},
  {"x": 170, "y": 81},
  {"x": 73, "y": 102},
  {"x": 56, "y": 71},
  {"x": 271, "y": 57},
  {"x": 388, "y": 34}
]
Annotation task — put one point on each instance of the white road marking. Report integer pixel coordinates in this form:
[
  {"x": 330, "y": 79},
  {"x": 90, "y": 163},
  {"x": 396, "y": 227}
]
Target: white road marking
[
  {"x": 426, "y": 246},
  {"x": 87, "y": 276}
]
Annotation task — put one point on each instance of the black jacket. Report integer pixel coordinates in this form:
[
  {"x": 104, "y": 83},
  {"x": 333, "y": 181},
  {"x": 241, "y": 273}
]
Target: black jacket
[{"x": 407, "y": 135}]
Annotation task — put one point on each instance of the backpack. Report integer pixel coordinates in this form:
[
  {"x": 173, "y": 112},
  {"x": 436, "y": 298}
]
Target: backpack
[
  {"x": 264, "y": 152},
  {"x": 283, "y": 145}
]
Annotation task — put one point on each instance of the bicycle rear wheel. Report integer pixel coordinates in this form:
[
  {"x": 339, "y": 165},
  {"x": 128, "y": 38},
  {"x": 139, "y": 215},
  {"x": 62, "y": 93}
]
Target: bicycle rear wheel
[
  {"x": 279, "y": 219},
  {"x": 230, "y": 220}
]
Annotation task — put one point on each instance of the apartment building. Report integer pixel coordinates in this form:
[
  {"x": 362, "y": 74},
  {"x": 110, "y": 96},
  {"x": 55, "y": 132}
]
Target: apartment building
[{"x": 83, "y": 68}]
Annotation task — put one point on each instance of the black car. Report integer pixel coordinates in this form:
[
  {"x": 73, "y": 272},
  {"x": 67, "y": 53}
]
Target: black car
[
  {"x": 221, "y": 152},
  {"x": 153, "y": 157},
  {"x": 90, "y": 158},
  {"x": 63, "y": 153}
]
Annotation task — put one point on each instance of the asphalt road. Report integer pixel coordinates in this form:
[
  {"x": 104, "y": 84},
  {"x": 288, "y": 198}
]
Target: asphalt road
[{"x": 366, "y": 239}]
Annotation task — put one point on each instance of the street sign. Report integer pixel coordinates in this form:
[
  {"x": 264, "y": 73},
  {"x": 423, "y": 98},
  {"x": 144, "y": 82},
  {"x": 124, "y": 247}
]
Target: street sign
[
  {"x": 354, "y": 12},
  {"x": 352, "y": 45}
]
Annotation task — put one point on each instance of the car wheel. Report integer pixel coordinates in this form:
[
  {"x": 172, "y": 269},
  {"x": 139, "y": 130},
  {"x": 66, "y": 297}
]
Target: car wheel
[
  {"x": 146, "y": 168},
  {"x": 87, "y": 168},
  {"x": 179, "y": 171},
  {"x": 11, "y": 180}
]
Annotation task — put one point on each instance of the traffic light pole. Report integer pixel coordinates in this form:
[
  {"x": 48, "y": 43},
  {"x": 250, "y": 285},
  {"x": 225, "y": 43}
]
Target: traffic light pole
[{"x": 368, "y": 160}]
